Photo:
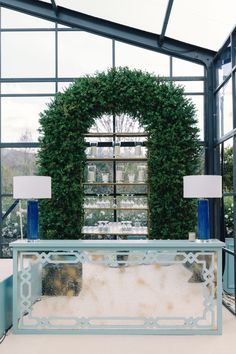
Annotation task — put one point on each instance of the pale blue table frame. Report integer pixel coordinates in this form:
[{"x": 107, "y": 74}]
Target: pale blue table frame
[
  {"x": 117, "y": 246},
  {"x": 5, "y": 304}
]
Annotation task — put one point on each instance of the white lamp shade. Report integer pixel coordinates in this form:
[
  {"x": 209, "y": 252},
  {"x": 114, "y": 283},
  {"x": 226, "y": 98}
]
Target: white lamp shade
[
  {"x": 31, "y": 187},
  {"x": 203, "y": 186}
]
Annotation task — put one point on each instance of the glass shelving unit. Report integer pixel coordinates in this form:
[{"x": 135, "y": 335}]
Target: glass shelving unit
[{"x": 115, "y": 180}]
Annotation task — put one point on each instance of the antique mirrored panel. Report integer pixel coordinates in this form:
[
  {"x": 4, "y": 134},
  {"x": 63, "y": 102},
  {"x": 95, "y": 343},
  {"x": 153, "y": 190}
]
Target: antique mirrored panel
[{"x": 137, "y": 289}]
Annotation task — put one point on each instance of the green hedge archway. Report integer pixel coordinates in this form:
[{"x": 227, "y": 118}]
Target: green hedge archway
[{"x": 169, "y": 120}]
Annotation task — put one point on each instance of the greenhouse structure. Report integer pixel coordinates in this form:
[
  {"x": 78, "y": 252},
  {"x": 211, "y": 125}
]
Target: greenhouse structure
[{"x": 118, "y": 175}]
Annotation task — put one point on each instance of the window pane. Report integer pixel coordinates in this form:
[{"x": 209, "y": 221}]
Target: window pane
[
  {"x": 17, "y": 162},
  {"x": 20, "y": 118},
  {"x": 229, "y": 268},
  {"x": 102, "y": 125},
  {"x": 11, "y": 230},
  {"x": 198, "y": 102},
  {"x": 229, "y": 216},
  {"x": 13, "y": 19},
  {"x": 224, "y": 109},
  {"x": 191, "y": 86},
  {"x": 28, "y": 88},
  {"x": 186, "y": 68},
  {"x": 81, "y": 53},
  {"x": 142, "y": 59},
  {"x": 223, "y": 65},
  {"x": 228, "y": 166},
  {"x": 201, "y": 168},
  {"x": 62, "y": 86},
  {"x": 28, "y": 54},
  {"x": 126, "y": 124}
]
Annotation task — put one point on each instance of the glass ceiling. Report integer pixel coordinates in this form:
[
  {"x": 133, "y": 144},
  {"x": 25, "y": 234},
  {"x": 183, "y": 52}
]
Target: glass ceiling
[{"x": 205, "y": 23}]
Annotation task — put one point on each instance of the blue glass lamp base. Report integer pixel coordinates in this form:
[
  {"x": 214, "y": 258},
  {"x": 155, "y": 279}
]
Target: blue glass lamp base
[
  {"x": 32, "y": 220},
  {"x": 203, "y": 219}
]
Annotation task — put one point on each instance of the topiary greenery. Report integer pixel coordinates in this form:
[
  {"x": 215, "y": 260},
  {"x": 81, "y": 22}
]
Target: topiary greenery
[{"x": 169, "y": 120}]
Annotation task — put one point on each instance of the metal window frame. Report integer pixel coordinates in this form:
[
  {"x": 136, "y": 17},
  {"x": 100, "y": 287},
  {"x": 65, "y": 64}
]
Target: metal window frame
[{"x": 219, "y": 143}]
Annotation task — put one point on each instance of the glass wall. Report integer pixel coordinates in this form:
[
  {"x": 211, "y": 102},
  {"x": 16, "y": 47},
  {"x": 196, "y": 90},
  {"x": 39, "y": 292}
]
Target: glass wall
[
  {"x": 225, "y": 145},
  {"x": 39, "y": 59}
]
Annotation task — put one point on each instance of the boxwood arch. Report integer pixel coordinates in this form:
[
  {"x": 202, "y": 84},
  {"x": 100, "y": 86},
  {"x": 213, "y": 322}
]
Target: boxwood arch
[{"x": 169, "y": 120}]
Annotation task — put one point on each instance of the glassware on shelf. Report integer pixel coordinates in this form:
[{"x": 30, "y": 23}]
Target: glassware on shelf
[
  {"x": 141, "y": 173},
  {"x": 107, "y": 202},
  {"x": 90, "y": 203},
  {"x": 130, "y": 151},
  {"x": 117, "y": 152},
  {"x": 104, "y": 152},
  {"x": 112, "y": 227},
  {"x": 124, "y": 202},
  {"x": 126, "y": 226},
  {"x": 127, "y": 201},
  {"x": 102, "y": 204},
  {"x": 114, "y": 205},
  {"x": 121, "y": 227},
  {"x": 131, "y": 177},
  {"x": 132, "y": 201},
  {"x": 91, "y": 173},
  {"x": 93, "y": 150},
  {"x": 138, "y": 150},
  {"x": 137, "y": 225},
  {"x": 105, "y": 177},
  {"x": 129, "y": 226},
  {"x": 91, "y": 229},
  {"x": 100, "y": 226},
  {"x": 120, "y": 173},
  {"x": 106, "y": 226}
]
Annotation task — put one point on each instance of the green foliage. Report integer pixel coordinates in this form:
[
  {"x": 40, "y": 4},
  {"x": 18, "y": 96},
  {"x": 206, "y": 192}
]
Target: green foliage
[
  {"x": 169, "y": 120},
  {"x": 229, "y": 216},
  {"x": 228, "y": 187},
  {"x": 228, "y": 169}
]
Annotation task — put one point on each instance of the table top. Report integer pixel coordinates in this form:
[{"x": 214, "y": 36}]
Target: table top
[{"x": 147, "y": 244}]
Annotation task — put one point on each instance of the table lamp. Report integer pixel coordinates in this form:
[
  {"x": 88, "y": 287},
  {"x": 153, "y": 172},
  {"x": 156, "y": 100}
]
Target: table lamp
[
  {"x": 32, "y": 188},
  {"x": 203, "y": 186}
]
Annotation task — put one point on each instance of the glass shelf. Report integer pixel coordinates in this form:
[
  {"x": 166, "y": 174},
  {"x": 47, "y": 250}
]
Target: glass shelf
[
  {"x": 95, "y": 135},
  {"x": 117, "y": 159},
  {"x": 114, "y": 183},
  {"x": 98, "y": 208},
  {"x": 93, "y": 230},
  {"x": 116, "y": 166}
]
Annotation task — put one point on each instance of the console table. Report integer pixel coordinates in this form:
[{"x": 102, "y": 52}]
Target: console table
[
  {"x": 117, "y": 287},
  {"x": 5, "y": 295}
]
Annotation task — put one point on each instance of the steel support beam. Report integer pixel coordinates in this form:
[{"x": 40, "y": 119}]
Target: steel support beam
[
  {"x": 165, "y": 23},
  {"x": 211, "y": 153},
  {"x": 54, "y": 5},
  {"x": 111, "y": 30}
]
